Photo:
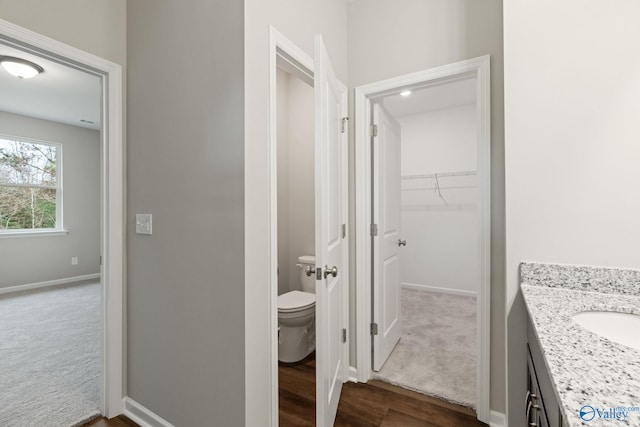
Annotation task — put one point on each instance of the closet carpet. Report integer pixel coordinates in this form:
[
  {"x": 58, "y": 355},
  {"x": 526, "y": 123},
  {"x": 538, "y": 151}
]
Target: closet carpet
[
  {"x": 436, "y": 354},
  {"x": 50, "y": 356}
]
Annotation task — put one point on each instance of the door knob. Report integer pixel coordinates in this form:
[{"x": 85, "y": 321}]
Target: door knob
[
  {"x": 402, "y": 242},
  {"x": 330, "y": 271}
]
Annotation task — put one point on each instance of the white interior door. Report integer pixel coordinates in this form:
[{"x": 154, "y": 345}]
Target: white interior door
[
  {"x": 386, "y": 244},
  {"x": 331, "y": 244}
]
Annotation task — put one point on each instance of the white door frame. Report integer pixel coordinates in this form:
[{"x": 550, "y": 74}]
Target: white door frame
[
  {"x": 282, "y": 53},
  {"x": 112, "y": 201},
  {"x": 476, "y": 67}
]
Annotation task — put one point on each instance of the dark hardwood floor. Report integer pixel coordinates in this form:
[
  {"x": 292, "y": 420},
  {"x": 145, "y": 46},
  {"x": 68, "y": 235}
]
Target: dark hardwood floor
[
  {"x": 119, "y": 421},
  {"x": 365, "y": 405},
  {"x": 375, "y": 404}
]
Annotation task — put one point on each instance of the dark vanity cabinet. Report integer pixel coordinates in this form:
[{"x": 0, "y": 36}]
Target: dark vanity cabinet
[{"x": 541, "y": 405}]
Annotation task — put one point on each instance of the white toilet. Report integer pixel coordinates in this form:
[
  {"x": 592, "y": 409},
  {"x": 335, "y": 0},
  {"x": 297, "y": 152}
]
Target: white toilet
[{"x": 297, "y": 315}]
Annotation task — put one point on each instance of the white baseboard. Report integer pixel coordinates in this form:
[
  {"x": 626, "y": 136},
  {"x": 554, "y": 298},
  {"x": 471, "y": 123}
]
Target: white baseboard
[
  {"x": 439, "y": 289},
  {"x": 38, "y": 285},
  {"x": 498, "y": 419},
  {"x": 353, "y": 374},
  {"x": 141, "y": 415}
]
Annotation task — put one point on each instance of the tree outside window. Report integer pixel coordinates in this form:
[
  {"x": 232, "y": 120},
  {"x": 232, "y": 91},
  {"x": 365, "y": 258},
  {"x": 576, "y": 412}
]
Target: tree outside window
[{"x": 29, "y": 185}]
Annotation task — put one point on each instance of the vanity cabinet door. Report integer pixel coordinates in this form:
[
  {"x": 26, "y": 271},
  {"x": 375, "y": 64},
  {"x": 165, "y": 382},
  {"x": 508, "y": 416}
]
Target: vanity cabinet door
[
  {"x": 548, "y": 414},
  {"x": 534, "y": 404}
]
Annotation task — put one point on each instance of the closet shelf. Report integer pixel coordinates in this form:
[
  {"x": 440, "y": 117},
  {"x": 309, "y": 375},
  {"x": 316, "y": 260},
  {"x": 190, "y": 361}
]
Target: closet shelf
[
  {"x": 440, "y": 175},
  {"x": 415, "y": 191},
  {"x": 440, "y": 181}
]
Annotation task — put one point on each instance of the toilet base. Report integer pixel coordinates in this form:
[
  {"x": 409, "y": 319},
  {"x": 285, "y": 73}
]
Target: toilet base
[{"x": 296, "y": 342}]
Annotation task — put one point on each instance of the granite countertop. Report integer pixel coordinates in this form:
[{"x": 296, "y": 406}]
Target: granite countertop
[{"x": 585, "y": 368}]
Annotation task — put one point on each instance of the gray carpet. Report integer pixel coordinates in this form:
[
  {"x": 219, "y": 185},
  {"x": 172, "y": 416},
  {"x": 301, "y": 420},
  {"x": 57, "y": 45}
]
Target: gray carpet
[
  {"x": 436, "y": 354},
  {"x": 50, "y": 357}
]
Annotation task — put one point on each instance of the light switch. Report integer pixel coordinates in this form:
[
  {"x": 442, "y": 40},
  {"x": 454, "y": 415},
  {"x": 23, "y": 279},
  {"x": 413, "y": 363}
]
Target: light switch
[{"x": 143, "y": 223}]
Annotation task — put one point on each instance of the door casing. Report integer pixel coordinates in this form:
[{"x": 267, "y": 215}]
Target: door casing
[
  {"x": 480, "y": 69},
  {"x": 286, "y": 55},
  {"x": 112, "y": 199}
]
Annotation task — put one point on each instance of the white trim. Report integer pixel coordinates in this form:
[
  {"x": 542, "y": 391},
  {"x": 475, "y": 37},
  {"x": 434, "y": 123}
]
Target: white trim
[
  {"x": 299, "y": 59},
  {"x": 48, "y": 283},
  {"x": 439, "y": 289},
  {"x": 141, "y": 415},
  {"x": 478, "y": 67},
  {"x": 353, "y": 374},
  {"x": 498, "y": 419},
  {"x": 363, "y": 240},
  {"x": 112, "y": 199},
  {"x": 32, "y": 233}
]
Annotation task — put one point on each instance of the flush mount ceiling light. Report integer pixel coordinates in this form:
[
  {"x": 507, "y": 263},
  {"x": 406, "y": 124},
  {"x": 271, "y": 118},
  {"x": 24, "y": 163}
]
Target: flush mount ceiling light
[
  {"x": 21, "y": 68},
  {"x": 405, "y": 93}
]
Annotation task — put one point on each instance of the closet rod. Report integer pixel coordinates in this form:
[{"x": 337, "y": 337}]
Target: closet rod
[{"x": 440, "y": 175}]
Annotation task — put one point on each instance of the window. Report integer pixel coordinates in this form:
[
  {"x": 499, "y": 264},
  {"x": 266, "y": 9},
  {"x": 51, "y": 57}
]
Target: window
[{"x": 30, "y": 187}]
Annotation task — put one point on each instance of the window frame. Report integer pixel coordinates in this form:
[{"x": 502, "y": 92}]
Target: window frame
[{"x": 59, "y": 228}]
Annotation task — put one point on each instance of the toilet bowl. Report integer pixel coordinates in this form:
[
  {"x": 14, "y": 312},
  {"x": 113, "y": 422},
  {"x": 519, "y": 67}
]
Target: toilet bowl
[{"x": 296, "y": 316}]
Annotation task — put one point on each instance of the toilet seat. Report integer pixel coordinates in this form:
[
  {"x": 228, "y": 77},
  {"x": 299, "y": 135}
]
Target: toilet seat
[
  {"x": 296, "y": 325},
  {"x": 295, "y": 301}
]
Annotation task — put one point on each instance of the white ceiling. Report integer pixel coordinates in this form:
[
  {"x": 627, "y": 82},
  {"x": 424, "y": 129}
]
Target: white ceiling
[
  {"x": 61, "y": 93},
  {"x": 448, "y": 95}
]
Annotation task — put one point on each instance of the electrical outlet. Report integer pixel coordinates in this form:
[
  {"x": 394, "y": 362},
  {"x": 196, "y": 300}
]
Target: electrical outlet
[{"x": 74, "y": 260}]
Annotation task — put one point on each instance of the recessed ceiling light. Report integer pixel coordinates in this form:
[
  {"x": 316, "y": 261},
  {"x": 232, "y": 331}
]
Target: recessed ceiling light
[
  {"x": 21, "y": 68},
  {"x": 405, "y": 93}
]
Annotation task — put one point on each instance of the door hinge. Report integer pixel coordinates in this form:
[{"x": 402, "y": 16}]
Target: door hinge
[
  {"x": 344, "y": 230},
  {"x": 374, "y": 130},
  {"x": 374, "y": 230},
  {"x": 318, "y": 273},
  {"x": 100, "y": 259},
  {"x": 344, "y": 335},
  {"x": 344, "y": 124},
  {"x": 374, "y": 329}
]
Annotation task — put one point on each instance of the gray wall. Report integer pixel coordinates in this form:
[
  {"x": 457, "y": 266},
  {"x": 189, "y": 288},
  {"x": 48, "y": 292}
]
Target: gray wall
[
  {"x": 302, "y": 212},
  {"x": 282, "y": 135},
  {"x": 26, "y": 260},
  {"x": 296, "y": 178},
  {"x": 96, "y": 26},
  {"x": 421, "y": 34},
  {"x": 185, "y": 166}
]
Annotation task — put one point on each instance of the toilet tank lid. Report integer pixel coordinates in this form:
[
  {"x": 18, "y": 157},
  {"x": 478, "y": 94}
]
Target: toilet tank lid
[
  {"x": 307, "y": 259},
  {"x": 295, "y": 299}
]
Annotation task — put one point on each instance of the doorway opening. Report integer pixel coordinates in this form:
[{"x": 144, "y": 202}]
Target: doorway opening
[
  {"x": 106, "y": 254},
  {"x": 50, "y": 302},
  {"x": 423, "y": 239},
  {"x": 325, "y": 269},
  {"x": 296, "y": 301}
]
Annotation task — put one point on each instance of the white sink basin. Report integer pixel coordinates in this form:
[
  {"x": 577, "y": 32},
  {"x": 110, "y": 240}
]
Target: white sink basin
[{"x": 623, "y": 328}]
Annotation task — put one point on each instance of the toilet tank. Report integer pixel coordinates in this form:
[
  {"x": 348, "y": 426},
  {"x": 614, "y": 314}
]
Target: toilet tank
[{"x": 308, "y": 283}]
